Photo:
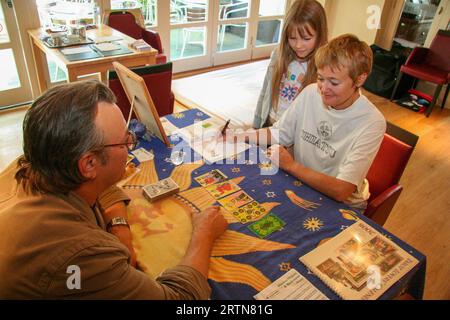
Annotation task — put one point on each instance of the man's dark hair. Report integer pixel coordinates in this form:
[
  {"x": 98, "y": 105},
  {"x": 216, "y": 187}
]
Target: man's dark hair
[{"x": 58, "y": 129}]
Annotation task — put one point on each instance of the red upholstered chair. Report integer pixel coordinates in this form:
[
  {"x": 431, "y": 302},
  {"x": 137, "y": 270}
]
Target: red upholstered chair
[
  {"x": 431, "y": 65},
  {"x": 125, "y": 22},
  {"x": 158, "y": 79},
  {"x": 386, "y": 171}
]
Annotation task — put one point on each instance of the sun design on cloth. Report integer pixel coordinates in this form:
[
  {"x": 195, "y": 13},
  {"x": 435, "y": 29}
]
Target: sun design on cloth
[
  {"x": 312, "y": 224},
  {"x": 267, "y": 182},
  {"x": 178, "y": 115},
  {"x": 162, "y": 231},
  {"x": 236, "y": 170}
]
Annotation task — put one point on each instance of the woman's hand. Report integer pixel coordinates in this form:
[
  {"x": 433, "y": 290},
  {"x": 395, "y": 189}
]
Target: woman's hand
[{"x": 280, "y": 157}]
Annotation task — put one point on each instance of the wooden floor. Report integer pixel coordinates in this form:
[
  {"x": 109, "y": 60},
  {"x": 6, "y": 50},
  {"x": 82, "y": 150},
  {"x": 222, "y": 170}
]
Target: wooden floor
[{"x": 422, "y": 214}]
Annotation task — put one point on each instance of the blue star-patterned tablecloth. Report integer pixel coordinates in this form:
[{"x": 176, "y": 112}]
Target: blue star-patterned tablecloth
[{"x": 317, "y": 219}]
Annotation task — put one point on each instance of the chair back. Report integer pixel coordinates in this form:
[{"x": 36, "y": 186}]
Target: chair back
[
  {"x": 158, "y": 79},
  {"x": 194, "y": 14},
  {"x": 391, "y": 159},
  {"x": 125, "y": 22},
  {"x": 439, "y": 54}
]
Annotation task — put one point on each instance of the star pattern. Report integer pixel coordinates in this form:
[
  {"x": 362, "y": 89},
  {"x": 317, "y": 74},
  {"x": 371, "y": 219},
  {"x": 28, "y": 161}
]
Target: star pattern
[
  {"x": 285, "y": 266},
  {"x": 236, "y": 170},
  {"x": 265, "y": 166},
  {"x": 267, "y": 182},
  {"x": 178, "y": 115},
  {"x": 270, "y": 194},
  {"x": 298, "y": 183}
]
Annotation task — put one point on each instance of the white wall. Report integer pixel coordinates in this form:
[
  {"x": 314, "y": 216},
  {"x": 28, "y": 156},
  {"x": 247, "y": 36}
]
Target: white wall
[{"x": 350, "y": 16}]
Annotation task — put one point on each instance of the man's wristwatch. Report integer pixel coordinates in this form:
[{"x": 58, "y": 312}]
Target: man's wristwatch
[{"x": 117, "y": 221}]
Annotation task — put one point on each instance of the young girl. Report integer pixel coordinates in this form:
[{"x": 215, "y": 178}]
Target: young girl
[{"x": 292, "y": 65}]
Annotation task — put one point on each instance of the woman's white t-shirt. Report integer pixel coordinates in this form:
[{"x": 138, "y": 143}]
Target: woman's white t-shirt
[{"x": 338, "y": 143}]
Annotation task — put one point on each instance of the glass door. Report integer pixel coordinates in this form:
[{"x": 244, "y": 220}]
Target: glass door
[
  {"x": 190, "y": 34},
  {"x": 14, "y": 83},
  {"x": 247, "y": 29},
  {"x": 234, "y": 31},
  {"x": 202, "y": 33},
  {"x": 270, "y": 22}
]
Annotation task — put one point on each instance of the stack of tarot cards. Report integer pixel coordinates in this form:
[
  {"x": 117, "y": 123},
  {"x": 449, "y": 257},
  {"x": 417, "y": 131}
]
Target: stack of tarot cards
[{"x": 160, "y": 189}]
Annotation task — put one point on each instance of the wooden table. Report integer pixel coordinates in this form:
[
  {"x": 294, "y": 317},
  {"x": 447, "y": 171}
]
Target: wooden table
[{"x": 83, "y": 67}]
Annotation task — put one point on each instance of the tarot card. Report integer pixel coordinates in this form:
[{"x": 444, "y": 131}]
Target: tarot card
[
  {"x": 160, "y": 189},
  {"x": 143, "y": 155},
  {"x": 267, "y": 225},
  {"x": 235, "y": 200},
  {"x": 249, "y": 212},
  {"x": 212, "y": 177},
  {"x": 222, "y": 189}
]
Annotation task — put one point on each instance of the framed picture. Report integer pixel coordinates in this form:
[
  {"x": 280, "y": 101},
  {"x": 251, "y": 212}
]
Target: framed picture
[{"x": 140, "y": 100}]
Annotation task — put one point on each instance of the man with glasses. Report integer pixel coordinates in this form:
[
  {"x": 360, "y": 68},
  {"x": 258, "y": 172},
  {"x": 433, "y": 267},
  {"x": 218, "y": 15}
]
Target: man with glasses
[{"x": 54, "y": 241}]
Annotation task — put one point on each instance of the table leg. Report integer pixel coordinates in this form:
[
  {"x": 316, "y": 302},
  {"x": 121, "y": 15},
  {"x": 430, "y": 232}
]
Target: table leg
[
  {"x": 72, "y": 76},
  {"x": 104, "y": 77},
  {"x": 41, "y": 66}
]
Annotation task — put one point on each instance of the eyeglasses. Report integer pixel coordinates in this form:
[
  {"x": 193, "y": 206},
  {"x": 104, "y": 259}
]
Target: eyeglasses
[{"x": 131, "y": 144}]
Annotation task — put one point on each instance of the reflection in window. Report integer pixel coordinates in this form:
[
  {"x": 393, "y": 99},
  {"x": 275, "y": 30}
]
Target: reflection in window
[
  {"x": 188, "y": 11},
  {"x": 4, "y": 37},
  {"x": 232, "y": 37},
  {"x": 268, "y": 32},
  {"x": 415, "y": 22},
  {"x": 10, "y": 76},
  {"x": 148, "y": 8},
  {"x": 232, "y": 9},
  {"x": 271, "y": 7},
  {"x": 65, "y": 12},
  {"x": 187, "y": 42}
]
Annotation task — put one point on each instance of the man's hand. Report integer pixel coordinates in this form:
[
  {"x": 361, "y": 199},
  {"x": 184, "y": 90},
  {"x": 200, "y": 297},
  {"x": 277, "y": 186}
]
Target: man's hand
[
  {"x": 281, "y": 157},
  {"x": 210, "y": 223},
  {"x": 207, "y": 226}
]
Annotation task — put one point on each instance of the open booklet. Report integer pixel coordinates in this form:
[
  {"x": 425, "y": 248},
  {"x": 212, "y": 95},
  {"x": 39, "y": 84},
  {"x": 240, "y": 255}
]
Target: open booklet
[
  {"x": 203, "y": 138},
  {"x": 359, "y": 263},
  {"x": 291, "y": 286}
]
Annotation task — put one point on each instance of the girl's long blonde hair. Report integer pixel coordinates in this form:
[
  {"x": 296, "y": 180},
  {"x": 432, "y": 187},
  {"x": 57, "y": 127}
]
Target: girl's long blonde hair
[{"x": 306, "y": 16}]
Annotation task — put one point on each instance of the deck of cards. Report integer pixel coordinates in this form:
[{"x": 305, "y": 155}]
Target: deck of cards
[{"x": 160, "y": 189}]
